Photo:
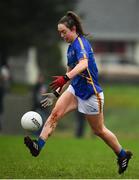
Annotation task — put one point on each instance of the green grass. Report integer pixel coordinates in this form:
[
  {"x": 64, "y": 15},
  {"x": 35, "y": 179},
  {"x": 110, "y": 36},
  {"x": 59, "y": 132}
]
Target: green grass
[
  {"x": 64, "y": 157},
  {"x": 122, "y": 96},
  {"x": 121, "y": 108},
  {"x": 20, "y": 89}
]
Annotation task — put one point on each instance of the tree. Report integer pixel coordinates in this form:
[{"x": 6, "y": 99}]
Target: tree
[{"x": 26, "y": 23}]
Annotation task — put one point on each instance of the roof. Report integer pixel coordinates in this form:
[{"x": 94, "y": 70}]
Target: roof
[{"x": 110, "y": 19}]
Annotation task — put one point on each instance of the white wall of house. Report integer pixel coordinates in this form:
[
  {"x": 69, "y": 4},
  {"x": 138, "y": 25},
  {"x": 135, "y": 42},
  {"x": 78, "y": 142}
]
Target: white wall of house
[
  {"x": 32, "y": 70},
  {"x": 64, "y": 47},
  {"x": 136, "y": 54},
  {"x": 24, "y": 68}
]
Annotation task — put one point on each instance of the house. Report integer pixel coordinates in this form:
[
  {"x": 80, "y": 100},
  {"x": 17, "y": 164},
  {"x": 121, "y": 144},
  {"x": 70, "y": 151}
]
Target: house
[{"x": 114, "y": 30}]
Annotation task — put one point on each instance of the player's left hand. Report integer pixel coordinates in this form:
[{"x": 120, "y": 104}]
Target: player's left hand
[{"x": 59, "y": 82}]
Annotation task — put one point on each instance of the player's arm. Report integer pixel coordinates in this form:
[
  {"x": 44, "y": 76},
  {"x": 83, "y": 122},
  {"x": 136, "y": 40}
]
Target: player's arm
[
  {"x": 80, "y": 67},
  {"x": 60, "y": 81}
]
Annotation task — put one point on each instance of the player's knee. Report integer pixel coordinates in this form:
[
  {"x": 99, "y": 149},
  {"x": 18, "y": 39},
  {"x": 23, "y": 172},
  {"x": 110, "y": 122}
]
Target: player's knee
[
  {"x": 57, "y": 113},
  {"x": 99, "y": 132}
]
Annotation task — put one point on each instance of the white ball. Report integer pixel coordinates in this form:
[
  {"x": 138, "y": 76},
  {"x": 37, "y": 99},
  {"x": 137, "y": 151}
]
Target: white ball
[{"x": 31, "y": 121}]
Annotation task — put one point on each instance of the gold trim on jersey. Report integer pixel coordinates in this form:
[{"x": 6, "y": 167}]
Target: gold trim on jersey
[{"x": 89, "y": 79}]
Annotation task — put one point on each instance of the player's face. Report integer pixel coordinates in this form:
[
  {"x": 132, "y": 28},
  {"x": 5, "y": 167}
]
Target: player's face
[{"x": 65, "y": 33}]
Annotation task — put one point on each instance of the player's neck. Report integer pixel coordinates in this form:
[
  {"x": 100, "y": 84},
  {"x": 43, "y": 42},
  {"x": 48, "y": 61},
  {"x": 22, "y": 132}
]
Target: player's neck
[{"x": 74, "y": 37}]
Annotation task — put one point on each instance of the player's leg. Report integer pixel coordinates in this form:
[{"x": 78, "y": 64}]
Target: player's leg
[
  {"x": 97, "y": 124},
  {"x": 66, "y": 103}
]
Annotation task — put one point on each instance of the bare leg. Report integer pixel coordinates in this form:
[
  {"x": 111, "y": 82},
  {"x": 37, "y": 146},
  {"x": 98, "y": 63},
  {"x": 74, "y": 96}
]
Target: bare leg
[
  {"x": 66, "y": 103},
  {"x": 97, "y": 124}
]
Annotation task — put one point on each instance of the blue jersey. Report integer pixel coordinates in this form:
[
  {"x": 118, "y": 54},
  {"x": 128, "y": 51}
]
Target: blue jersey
[{"x": 86, "y": 83}]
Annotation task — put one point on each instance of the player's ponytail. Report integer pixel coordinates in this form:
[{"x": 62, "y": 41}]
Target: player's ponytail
[{"x": 71, "y": 19}]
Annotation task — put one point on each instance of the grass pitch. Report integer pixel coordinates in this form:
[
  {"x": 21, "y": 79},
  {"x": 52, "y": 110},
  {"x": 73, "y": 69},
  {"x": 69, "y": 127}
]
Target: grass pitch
[{"x": 64, "y": 157}]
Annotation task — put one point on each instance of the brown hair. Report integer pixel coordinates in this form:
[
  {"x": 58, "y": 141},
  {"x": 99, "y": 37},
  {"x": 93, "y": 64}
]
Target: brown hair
[{"x": 71, "y": 19}]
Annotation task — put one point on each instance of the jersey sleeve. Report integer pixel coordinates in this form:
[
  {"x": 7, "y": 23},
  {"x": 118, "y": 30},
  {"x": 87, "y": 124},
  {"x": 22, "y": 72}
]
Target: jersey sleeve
[{"x": 81, "y": 50}]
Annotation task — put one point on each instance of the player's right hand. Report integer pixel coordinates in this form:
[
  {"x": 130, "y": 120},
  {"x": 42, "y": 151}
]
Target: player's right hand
[{"x": 48, "y": 100}]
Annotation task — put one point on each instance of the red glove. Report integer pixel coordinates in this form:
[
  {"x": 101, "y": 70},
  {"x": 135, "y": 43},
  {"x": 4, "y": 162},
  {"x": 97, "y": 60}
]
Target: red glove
[{"x": 59, "y": 82}]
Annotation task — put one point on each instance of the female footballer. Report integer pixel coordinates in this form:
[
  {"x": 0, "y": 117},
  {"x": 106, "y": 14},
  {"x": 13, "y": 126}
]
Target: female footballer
[{"x": 83, "y": 92}]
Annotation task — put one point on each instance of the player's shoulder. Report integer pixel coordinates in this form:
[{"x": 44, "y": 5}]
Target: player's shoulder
[
  {"x": 83, "y": 40},
  {"x": 82, "y": 43},
  {"x": 78, "y": 42}
]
